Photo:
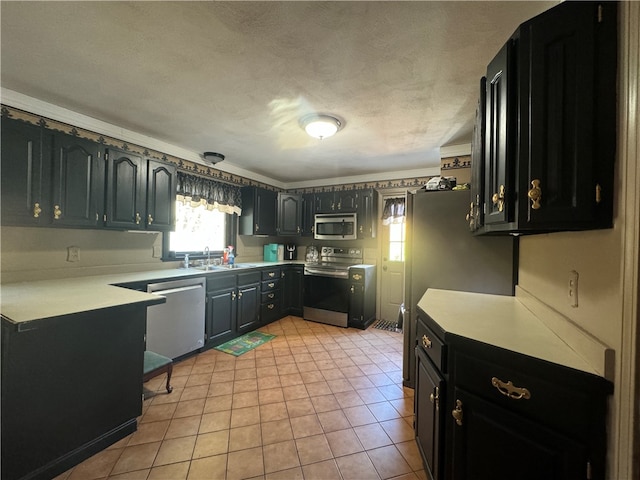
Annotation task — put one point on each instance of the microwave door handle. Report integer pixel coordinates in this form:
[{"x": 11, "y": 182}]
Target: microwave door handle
[{"x": 343, "y": 229}]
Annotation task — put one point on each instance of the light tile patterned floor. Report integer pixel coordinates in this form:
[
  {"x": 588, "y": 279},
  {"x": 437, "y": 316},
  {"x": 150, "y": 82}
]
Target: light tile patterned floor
[{"x": 315, "y": 403}]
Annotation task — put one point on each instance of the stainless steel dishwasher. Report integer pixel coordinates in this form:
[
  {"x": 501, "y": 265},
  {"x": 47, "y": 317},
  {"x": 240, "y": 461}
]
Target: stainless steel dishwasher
[{"x": 176, "y": 327}]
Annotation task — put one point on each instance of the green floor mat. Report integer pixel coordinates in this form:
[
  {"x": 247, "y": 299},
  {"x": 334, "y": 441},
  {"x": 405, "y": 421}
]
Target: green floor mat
[{"x": 245, "y": 343}]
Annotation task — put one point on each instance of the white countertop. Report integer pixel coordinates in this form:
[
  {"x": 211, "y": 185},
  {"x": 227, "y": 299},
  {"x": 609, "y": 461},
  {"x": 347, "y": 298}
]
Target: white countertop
[
  {"x": 502, "y": 321},
  {"x": 29, "y": 301}
]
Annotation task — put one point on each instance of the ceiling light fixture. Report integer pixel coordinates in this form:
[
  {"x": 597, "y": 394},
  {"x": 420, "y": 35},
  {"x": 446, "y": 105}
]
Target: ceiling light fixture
[
  {"x": 320, "y": 125},
  {"x": 213, "y": 157}
]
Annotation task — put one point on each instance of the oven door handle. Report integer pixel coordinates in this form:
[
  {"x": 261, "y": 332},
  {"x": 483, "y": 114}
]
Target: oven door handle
[{"x": 324, "y": 273}]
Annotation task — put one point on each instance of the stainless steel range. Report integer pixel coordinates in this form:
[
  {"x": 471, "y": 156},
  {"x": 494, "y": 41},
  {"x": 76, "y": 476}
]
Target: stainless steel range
[{"x": 326, "y": 285}]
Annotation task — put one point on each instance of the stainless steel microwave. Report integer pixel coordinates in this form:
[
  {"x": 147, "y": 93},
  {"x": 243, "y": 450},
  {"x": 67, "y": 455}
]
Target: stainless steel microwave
[{"x": 335, "y": 226}]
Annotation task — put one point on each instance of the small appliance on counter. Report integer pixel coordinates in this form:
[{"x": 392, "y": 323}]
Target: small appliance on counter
[
  {"x": 280, "y": 253},
  {"x": 271, "y": 252},
  {"x": 312, "y": 254},
  {"x": 290, "y": 252}
]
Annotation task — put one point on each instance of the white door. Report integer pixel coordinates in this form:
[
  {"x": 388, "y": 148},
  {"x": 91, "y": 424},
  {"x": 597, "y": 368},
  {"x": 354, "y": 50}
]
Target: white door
[{"x": 391, "y": 270}]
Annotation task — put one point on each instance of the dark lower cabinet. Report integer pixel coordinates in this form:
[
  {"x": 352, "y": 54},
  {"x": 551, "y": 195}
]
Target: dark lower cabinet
[
  {"x": 488, "y": 413},
  {"x": 362, "y": 296},
  {"x": 71, "y": 386},
  {"x": 271, "y": 295},
  {"x": 292, "y": 290},
  {"x": 493, "y": 443},
  {"x": 248, "y": 313},
  {"x": 220, "y": 320},
  {"x": 429, "y": 417}
]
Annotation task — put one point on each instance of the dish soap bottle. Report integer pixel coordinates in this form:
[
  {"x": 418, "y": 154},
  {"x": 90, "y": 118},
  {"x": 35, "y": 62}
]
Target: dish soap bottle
[{"x": 230, "y": 256}]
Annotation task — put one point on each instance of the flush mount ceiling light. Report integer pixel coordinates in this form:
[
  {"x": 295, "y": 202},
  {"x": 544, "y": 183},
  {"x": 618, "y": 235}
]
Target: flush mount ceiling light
[
  {"x": 320, "y": 125},
  {"x": 213, "y": 157}
]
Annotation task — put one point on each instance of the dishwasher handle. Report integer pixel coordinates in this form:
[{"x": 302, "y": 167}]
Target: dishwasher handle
[{"x": 176, "y": 290}]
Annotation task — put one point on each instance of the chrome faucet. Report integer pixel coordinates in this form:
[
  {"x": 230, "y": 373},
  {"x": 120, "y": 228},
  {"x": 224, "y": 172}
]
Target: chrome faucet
[{"x": 208, "y": 254}]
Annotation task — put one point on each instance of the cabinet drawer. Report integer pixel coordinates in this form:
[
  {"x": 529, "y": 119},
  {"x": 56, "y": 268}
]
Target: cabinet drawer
[
  {"x": 560, "y": 398},
  {"x": 220, "y": 281},
  {"x": 269, "y": 311},
  {"x": 270, "y": 296},
  {"x": 435, "y": 349},
  {"x": 271, "y": 274},
  {"x": 269, "y": 285}
]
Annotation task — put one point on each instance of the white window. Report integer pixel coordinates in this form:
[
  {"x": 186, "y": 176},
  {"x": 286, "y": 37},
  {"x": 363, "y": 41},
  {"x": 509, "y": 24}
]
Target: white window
[
  {"x": 198, "y": 228},
  {"x": 396, "y": 241}
]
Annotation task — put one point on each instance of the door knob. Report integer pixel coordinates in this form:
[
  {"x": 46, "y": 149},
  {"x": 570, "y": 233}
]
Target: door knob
[{"x": 384, "y": 267}]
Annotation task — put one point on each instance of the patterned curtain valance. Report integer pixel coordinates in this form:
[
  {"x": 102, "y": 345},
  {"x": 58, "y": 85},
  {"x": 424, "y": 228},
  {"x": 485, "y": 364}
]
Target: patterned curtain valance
[
  {"x": 213, "y": 195},
  {"x": 393, "y": 211}
]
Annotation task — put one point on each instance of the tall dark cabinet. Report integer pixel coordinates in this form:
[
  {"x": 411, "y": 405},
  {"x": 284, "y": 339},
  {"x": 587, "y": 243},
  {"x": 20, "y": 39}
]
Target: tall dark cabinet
[
  {"x": 259, "y": 211},
  {"x": 550, "y": 123}
]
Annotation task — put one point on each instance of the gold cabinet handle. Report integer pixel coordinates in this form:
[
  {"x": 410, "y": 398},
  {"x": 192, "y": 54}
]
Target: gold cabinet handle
[
  {"x": 426, "y": 342},
  {"x": 271, "y": 295},
  {"x": 233, "y": 295},
  {"x": 498, "y": 198},
  {"x": 353, "y": 289},
  {"x": 271, "y": 306},
  {"x": 149, "y": 219},
  {"x": 239, "y": 294},
  {"x": 57, "y": 213},
  {"x": 271, "y": 285},
  {"x": 457, "y": 413},
  {"x": 138, "y": 218},
  {"x": 509, "y": 390},
  {"x": 598, "y": 193},
  {"x": 535, "y": 194},
  {"x": 469, "y": 216},
  {"x": 257, "y": 227},
  {"x": 298, "y": 229},
  {"x": 361, "y": 229},
  {"x": 36, "y": 210},
  {"x": 435, "y": 399},
  {"x": 272, "y": 274}
]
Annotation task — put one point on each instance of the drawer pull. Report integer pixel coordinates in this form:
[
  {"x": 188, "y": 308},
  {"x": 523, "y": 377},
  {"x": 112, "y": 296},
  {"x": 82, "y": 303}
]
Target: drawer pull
[
  {"x": 272, "y": 274},
  {"x": 271, "y": 295},
  {"x": 457, "y": 414},
  {"x": 271, "y": 285},
  {"x": 508, "y": 389},
  {"x": 426, "y": 341}
]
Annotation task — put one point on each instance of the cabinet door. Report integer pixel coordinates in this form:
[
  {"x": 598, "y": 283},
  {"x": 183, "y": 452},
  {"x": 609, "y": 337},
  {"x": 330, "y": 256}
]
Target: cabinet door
[
  {"x": 429, "y": 419},
  {"x": 289, "y": 214},
  {"x": 126, "y": 194},
  {"x": 292, "y": 298},
  {"x": 248, "y": 307},
  {"x": 367, "y": 214},
  {"x": 26, "y": 166},
  {"x": 325, "y": 202},
  {"x": 559, "y": 150},
  {"x": 161, "y": 196},
  {"x": 78, "y": 182},
  {"x": 476, "y": 207},
  {"x": 266, "y": 212},
  {"x": 346, "y": 201},
  {"x": 308, "y": 215},
  {"x": 491, "y": 443},
  {"x": 498, "y": 129},
  {"x": 221, "y": 315}
]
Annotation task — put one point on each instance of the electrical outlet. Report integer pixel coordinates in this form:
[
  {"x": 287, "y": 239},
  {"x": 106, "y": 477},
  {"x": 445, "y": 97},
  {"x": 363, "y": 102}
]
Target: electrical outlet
[
  {"x": 573, "y": 288},
  {"x": 157, "y": 251},
  {"x": 73, "y": 254}
]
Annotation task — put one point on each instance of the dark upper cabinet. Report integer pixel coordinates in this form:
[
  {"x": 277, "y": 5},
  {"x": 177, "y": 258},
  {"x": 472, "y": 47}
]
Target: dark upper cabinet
[
  {"x": 499, "y": 151},
  {"x": 126, "y": 190},
  {"x": 367, "y": 209},
  {"x": 346, "y": 201},
  {"x": 25, "y": 173},
  {"x": 259, "y": 209},
  {"x": 161, "y": 196},
  {"x": 550, "y": 123},
  {"x": 475, "y": 217},
  {"x": 290, "y": 209},
  {"x": 325, "y": 202},
  {"x": 78, "y": 182},
  {"x": 308, "y": 214}
]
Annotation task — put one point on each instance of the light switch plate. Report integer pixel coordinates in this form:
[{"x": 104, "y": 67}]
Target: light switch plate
[{"x": 73, "y": 254}]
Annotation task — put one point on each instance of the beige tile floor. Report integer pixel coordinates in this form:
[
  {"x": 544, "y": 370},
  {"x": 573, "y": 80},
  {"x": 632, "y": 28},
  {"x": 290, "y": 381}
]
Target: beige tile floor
[{"x": 317, "y": 403}]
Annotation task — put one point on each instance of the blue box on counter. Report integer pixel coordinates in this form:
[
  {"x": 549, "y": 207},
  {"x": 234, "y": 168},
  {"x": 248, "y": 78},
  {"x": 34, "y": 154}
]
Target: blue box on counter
[{"x": 271, "y": 252}]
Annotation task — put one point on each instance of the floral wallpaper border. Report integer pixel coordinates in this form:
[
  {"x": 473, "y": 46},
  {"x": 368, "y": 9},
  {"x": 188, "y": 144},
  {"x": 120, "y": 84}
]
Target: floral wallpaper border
[{"x": 195, "y": 168}]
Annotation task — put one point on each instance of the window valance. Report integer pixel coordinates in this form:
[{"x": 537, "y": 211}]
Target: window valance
[
  {"x": 393, "y": 211},
  {"x": 213, "y": 195}
]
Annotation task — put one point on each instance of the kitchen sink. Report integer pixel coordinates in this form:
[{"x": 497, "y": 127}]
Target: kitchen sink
[{"x": 235, "y": 266}]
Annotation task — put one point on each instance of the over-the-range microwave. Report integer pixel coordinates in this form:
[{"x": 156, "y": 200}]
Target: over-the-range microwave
[{"x": 335, "y": 226}]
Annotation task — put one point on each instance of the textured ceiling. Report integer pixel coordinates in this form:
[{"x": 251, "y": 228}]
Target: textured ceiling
[{"x": 235, "y": 77}]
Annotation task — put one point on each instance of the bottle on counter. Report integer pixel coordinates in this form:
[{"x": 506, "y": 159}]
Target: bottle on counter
[
  {"x": 230, "y": 257},
  {"x": 186, "y": 260},
  {"x": 225, "y": 256}
]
